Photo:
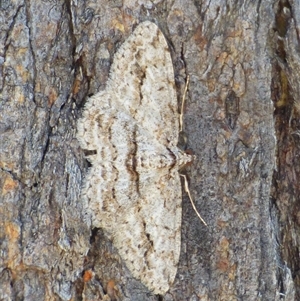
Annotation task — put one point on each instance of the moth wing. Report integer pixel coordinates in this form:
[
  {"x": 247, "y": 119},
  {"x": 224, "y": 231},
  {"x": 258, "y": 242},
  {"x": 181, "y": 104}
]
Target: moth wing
[
  {"x": 140, "y": 211},
  {"x": 148, "y": 234},
  {"x": 142, "y": 77},
  {"x": 142, "y": 81}
]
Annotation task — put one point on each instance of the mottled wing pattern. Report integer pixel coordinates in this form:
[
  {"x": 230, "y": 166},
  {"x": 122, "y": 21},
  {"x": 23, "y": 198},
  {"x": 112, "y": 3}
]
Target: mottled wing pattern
[
  {"x": 142, "y": 77},
  {"x": 133, "y": 189}
]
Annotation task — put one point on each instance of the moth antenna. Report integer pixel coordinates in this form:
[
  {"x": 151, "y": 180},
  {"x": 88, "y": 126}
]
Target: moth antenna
[
  {"x": 186, "y": 188},
  {"x": 182, "y": 104}
]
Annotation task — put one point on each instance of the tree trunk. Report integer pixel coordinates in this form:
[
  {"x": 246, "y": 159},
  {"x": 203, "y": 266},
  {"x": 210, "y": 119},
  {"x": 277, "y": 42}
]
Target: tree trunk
[{"x": 242, "y": 119}]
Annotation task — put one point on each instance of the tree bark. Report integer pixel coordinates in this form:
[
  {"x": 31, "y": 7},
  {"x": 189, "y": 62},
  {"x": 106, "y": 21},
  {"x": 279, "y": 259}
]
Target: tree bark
[{"x": 241, "y": 118}]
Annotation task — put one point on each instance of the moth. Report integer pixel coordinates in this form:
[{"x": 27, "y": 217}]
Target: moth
[{"x": 130, "y": 130}]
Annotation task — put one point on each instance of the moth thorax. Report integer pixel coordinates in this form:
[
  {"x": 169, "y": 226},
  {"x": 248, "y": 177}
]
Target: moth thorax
[
  {"x": 155, "y": 160},
  {"x": 182, "y": 158}
]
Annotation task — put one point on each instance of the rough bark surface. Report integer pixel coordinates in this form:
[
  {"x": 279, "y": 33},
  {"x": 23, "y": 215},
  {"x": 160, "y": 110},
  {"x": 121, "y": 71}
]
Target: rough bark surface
[{"x": 242, "y": 122}]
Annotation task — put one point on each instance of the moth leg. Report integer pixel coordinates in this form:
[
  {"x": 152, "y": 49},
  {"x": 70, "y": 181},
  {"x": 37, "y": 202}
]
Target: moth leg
[{"x": 186, "y": 188}]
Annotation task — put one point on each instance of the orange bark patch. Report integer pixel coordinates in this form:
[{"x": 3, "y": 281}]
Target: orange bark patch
[
  {"x": 116, "y": 24},
  {"x": 199, "y": 38},
  {"x": 52, "y": 96},
  {"x": 223, "y": 248},
  {"x": 9, "y": 185},
  {"x": 87, "y": 276},
  {"x": 111, "y": 289},
  {"x": 12, "y": 231},
  {"x": 223, "y": 265},
  {"x": 24, "y": 74},
  {"x": 76, "y": 86}
]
